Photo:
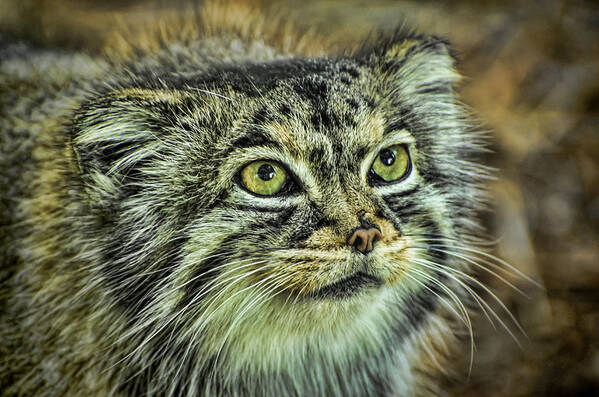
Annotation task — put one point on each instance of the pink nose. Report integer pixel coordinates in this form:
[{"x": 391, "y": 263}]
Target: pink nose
[{"x": 364, "y": 239}]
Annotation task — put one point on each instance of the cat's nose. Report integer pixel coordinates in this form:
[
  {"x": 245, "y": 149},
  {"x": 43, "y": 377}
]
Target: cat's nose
[{"x": 363, "y": 239}]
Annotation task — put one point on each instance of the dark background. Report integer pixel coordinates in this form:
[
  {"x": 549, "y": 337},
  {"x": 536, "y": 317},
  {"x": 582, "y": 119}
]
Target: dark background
[{"x": 532, "y": 78}]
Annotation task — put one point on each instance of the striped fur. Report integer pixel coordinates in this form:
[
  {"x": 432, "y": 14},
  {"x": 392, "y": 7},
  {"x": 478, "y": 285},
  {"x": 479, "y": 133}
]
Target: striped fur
[{"x": 134, "y": 263}]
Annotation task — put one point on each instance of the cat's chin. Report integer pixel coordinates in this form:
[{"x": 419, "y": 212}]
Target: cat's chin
[{"x": 348, "y": 287}]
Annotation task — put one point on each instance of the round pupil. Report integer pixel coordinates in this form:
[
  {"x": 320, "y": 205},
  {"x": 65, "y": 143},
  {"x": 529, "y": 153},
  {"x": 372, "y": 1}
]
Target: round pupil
[
  {"x": 387, "y": 157},
  {"x": 266, "y": 172}
]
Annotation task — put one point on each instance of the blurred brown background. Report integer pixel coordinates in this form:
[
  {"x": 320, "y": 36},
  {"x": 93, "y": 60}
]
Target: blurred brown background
[{"x": 532, "y": 72}]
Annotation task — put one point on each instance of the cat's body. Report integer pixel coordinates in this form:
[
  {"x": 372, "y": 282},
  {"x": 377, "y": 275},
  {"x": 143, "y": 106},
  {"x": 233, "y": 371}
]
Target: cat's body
[{"x": 136, "y": 260}]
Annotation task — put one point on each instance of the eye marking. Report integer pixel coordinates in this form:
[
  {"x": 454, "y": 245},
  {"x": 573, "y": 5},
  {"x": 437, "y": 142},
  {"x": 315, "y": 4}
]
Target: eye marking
[
  {"x": 264, "y": 177},
  {"x": 391, "y": 165}
]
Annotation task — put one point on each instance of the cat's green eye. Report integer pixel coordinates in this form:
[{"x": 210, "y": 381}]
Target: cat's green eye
[
  {"x": 264, "y": 178},
  {"x": 392, "y": 163}
]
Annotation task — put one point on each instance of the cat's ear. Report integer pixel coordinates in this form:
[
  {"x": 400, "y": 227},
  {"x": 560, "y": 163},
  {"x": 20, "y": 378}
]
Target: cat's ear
[
  {"x": 412, "y": 64},
  {"x": 117, "y": 134}
]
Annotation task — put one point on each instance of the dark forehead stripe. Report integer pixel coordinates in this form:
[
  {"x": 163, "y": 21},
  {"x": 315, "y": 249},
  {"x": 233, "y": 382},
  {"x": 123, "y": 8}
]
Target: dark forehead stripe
[
  {"x": 254, "y": 136},
  {"x": 325, "y": 118},
  {"x": 313, "y": 88},
  {"x": 317, "y": 155},
  {"x": 253, "y": 132}
]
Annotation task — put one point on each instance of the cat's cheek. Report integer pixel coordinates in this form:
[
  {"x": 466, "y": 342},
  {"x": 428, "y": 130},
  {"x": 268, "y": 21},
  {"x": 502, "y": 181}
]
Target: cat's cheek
[
  {"x": 391, "y": 258},
  {"x": 392, "y": 269}
]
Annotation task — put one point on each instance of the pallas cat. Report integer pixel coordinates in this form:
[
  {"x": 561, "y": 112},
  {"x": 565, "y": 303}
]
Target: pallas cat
[{"x": 224, "y": 208}]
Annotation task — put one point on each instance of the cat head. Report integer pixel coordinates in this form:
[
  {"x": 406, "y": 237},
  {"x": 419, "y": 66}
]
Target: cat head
[{"x": 283, "y": 199}]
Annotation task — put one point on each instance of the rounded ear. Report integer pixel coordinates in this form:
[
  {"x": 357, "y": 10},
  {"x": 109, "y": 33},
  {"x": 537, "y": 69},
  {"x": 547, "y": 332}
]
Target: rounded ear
[
  {"x": 116, "y": 134},
  {"x": 413, "y": 64}
]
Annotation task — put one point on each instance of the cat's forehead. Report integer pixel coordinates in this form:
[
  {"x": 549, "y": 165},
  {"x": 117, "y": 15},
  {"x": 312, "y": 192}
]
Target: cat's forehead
[
  {"x": 310, "y": 77},
  {"x": 311, "y": 105}
]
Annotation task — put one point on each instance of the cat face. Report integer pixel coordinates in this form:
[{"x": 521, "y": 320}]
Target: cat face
[{"x": 283, "y": 200}]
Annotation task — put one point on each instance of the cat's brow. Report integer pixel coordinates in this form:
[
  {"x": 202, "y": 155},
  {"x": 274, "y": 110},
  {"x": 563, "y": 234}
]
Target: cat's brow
[
  {"x": 255, "y": 137},
  {"x": 396, "y": 125}
]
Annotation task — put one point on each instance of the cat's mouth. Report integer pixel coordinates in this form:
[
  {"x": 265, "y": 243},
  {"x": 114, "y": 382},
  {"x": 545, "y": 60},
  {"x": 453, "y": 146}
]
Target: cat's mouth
[{"x": 347, "y": 287}]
